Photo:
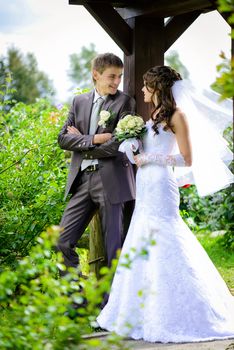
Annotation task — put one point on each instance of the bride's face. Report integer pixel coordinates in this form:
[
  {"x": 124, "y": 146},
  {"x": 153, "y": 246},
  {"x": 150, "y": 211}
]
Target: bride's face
[{"x": 147, "y": 94}]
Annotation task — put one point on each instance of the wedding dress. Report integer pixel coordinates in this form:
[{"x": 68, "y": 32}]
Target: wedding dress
[{"x": 165, "y": 289}]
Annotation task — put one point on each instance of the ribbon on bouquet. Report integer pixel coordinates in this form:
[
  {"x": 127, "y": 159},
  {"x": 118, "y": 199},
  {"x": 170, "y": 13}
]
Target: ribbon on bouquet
[{"x": 129, "y": 146}]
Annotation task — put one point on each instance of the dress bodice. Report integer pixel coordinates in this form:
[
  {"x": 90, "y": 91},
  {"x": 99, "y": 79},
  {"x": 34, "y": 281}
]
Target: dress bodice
[{"x": 162, "y": 143}]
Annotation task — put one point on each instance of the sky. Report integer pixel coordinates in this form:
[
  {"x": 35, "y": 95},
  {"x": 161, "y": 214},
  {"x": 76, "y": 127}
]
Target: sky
[{"x": 53, "y": 30}]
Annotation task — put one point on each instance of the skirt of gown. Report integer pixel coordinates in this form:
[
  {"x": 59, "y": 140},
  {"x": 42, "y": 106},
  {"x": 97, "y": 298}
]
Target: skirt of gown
[{"x": 165, "y": 289}]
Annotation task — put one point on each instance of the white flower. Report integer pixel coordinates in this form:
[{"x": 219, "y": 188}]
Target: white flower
[
  {"x": 130, "y": 126},
  {"x": 105, "y": 116}
]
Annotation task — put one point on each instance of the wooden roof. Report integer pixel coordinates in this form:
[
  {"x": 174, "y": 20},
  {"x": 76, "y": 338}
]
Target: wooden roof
[
  {"x": 114, "y": 16},
  {"x": 157, "y": 8},
  {"x": 139, "y": 28}
]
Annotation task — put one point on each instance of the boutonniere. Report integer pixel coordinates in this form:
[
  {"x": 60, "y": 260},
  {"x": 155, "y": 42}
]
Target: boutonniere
[{"x": 105, "y": 118}]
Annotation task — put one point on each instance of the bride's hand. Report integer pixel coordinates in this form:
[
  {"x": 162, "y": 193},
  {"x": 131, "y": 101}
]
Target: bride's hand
[{"x": 139, "y": 160}]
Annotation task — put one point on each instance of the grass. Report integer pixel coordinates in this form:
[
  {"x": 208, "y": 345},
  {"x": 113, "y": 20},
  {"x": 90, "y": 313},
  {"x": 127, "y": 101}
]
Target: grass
[{"x": 222, "y": 258}]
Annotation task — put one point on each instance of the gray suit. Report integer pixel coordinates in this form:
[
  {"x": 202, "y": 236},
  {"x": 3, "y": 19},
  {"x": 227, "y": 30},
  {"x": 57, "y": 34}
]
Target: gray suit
[{"x": 106, "y": 189}]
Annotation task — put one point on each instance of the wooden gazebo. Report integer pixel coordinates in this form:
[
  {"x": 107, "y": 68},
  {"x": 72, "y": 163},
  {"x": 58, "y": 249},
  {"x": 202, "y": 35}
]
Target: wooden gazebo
[{"x": 144, "y": 30}]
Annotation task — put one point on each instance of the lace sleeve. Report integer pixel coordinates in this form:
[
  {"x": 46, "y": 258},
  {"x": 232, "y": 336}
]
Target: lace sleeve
[{"x": 176, "y": 160}]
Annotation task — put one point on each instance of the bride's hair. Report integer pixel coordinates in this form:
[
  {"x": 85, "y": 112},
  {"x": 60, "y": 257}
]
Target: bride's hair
[{"x": 159, "y": 80}]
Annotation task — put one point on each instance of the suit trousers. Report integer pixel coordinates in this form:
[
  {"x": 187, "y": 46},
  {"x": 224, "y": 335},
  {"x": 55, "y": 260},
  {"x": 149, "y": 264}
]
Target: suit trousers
[{"x": 88, "y": 197}]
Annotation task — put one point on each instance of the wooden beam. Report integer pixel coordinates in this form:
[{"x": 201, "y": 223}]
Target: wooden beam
[
  {"x": 166, "y": 8},
  {"x": 114, "y": 3},
  {"x": 148, "y": 51},
  {"x": 177, "y": 25},
  {"x": 112, "y": 23}
]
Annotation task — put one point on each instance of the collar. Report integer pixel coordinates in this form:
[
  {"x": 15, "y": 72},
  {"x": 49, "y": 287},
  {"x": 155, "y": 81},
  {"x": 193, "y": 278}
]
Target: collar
[{"x": 96, "y": 96}]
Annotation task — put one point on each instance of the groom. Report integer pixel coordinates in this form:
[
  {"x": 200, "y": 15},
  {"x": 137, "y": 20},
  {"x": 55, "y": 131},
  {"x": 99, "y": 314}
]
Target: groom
[{"x": 100, "y": 178}]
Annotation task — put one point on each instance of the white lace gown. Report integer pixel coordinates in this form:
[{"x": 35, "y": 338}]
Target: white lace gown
[{"x": 170, "y": 291}]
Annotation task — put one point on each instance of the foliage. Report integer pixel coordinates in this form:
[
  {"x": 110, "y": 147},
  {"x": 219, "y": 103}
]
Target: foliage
[
  {"x": 227, "y": 6},
  {"x": 222, "y": 259},
  {"x": 28, "y": 82},
  {"x": 6, "y": 91},
  {"x": 173, "y": 60},
  {"x": 32, "y": 175},
  {"x": 210, "y": 213},
  {"x": 37, "y": 306},
  {"x": 80, "y": 67},
  {"x": 224, "y": 83}
]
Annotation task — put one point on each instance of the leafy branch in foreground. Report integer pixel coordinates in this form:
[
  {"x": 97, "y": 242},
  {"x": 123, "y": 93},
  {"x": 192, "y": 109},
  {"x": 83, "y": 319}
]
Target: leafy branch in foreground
[{"x": 36, "y": 305}]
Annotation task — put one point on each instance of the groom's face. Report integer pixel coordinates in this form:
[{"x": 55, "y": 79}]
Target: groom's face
[{"x": 108, "y": 81}]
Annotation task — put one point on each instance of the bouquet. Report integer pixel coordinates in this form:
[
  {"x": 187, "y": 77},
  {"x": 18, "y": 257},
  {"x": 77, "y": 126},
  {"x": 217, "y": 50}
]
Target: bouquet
[
  {"x": 129, "y": 130},
  {"x": 131, "y": 126}
]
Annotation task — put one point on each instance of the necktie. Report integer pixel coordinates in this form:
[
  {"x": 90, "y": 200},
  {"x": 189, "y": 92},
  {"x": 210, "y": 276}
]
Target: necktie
[
  {"x": 92, "y": 129},
  {"x": 95, "y": 115}
]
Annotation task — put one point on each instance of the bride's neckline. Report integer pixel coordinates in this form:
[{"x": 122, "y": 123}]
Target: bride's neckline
[
  {"x": 151, "y": 121},
  {"x": 160, "y": 125}
]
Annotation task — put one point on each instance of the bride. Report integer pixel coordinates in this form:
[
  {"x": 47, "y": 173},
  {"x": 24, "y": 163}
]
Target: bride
[{"x": 166, "y": 288}]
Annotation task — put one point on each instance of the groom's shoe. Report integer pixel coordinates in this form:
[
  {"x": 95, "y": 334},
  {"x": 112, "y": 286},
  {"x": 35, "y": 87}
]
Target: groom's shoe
[{"x": 97, "y": 329}]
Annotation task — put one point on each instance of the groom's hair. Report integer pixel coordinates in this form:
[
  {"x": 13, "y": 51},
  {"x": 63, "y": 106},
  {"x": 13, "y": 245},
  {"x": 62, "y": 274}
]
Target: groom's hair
[{"x": 105, "y": 60}]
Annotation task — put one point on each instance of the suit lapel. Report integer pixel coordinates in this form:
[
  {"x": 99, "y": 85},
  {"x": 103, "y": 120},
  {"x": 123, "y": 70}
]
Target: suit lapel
[
  {"x": 106, "y": 106},
  {"x": 108, "y": 102},
  {"x": 87, "y": 111}
]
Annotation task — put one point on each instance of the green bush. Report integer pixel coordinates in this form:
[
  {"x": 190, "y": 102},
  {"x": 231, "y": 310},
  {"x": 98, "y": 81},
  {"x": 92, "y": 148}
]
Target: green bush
[
  {"x": 33, "y": 173},
  {"x": 36, "y": 305},
  {"x": 210, "y": 213}
]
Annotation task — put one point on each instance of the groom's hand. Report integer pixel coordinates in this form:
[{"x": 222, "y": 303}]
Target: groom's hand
[
  {"x": 73, "y": 130},
  {"x": 101, "y": 138}
]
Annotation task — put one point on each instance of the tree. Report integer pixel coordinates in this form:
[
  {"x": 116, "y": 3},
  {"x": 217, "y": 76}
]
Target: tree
[
  {"x": 28, "y": 81},
  {"x": 224, "y": 83},
  {"x": 173, "y": 60},
  {"x": 80, "y": 66}
]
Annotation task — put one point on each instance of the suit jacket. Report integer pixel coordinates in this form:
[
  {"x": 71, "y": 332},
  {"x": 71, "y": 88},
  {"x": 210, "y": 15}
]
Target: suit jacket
[{"x": 116, "y": 171}]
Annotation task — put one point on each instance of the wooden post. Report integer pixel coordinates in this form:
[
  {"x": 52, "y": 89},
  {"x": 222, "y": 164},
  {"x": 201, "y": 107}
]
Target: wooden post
[
  {"x": 96, "y": 246},
  {"x": 148, "y": 51}
]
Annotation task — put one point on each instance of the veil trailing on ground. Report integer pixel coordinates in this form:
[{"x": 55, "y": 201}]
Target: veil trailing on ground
[{"x": 207, "y": 119}]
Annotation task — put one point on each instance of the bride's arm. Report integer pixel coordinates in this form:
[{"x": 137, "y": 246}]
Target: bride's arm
[
  {"x": 184, "y": 158},
  {"x": 181, "y": 129}
]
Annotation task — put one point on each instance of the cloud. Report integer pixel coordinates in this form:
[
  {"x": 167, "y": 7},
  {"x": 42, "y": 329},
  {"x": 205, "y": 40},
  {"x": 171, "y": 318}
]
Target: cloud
[
  {"x": 58, "y": 30},
  {"x": 14, "y": 14},
  {"x": 53, "y": 30}
]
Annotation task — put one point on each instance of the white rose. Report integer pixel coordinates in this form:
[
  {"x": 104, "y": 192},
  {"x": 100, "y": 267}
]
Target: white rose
[
  {"x": 104, "y": 115},
  {"x": 131, "y": 124},
  {"x": 139, "y": 121},
  {"x": 127, "y": 118},
  {"x": 101, "y": 122}
]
